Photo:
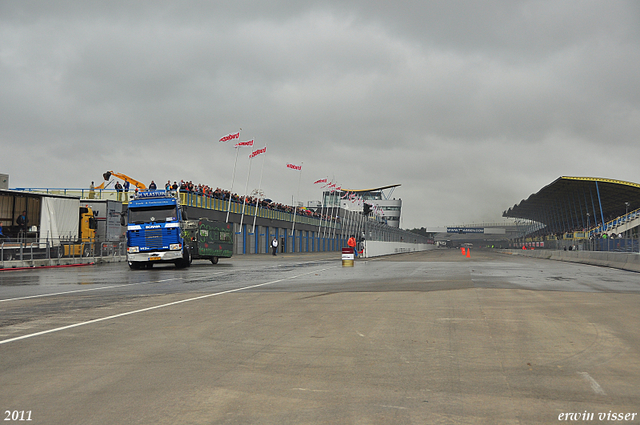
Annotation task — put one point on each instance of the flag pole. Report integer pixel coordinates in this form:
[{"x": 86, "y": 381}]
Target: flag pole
[
  {"x": 334, "y": 211},
  {"x": 295, "y": 209},
  {"x": 328, "y": 220},
  {"x": 233, "y": 178},
  {"x": 246, "y": 187},
  {"x": 255, "y": 213},
  {"x": 321, "y": 211}
]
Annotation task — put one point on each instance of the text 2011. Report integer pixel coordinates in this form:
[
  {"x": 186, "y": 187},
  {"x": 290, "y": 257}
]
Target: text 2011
[{"x": 17, "y": 415}]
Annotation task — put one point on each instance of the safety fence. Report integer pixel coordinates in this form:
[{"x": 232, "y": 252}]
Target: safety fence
[
  {"x": 24, "y": 252},
  {"x": 628, "y": 244}
]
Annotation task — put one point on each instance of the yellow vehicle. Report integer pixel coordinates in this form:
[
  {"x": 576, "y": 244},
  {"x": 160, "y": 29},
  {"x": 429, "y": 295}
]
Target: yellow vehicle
[
  {"x": 107, "y": 177},
  {"x": 85, "y": 245}
]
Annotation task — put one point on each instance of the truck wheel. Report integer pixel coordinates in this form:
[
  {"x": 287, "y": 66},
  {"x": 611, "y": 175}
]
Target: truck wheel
[
  {"x": 186, "y": 259},
  {"x": 214, "y": 260}
]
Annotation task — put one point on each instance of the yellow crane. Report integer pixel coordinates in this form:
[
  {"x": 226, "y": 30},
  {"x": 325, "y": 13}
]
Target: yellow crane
[{"x": 107, "y": 176}]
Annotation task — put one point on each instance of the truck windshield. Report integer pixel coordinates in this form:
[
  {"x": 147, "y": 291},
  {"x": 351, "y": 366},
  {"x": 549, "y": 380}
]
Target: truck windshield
[{"x": 152, "y": 214}]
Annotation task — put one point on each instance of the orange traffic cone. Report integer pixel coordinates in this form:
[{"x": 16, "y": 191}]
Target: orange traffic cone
[
  {"x": 468, "y": 253},
  {"x": 462, "y": 250}
]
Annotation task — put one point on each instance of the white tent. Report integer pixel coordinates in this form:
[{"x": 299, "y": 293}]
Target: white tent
[{"x": 59, "y": 219}]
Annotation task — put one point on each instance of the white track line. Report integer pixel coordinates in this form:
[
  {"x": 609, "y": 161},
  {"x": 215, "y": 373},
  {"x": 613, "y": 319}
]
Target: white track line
[
  {"x": 594, "y": 384},
  {"x": 75, "y": 325},
  {"x": 109, "y": 287},
  {"x": 102, "y": 287},
  {"x": 83, "y": 290}
]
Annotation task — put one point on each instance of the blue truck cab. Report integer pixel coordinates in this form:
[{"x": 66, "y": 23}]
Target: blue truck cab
[{"x": 154, "y": 231}]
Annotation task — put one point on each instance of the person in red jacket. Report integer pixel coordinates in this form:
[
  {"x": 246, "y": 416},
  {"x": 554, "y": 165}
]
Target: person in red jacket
[{"x": 352, "y": 244}]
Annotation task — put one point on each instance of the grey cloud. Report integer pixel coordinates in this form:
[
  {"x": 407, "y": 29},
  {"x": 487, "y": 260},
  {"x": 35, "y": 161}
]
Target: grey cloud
[{"x": 471, "y": 106}]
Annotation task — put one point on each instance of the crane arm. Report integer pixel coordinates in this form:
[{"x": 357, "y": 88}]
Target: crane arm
[{"x": 121, "y": 176}]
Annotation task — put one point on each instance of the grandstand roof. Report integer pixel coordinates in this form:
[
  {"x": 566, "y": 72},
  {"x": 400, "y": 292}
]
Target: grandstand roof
[
  {"x": 370, "y": 190},
  {"x": 571, "y": 199}
]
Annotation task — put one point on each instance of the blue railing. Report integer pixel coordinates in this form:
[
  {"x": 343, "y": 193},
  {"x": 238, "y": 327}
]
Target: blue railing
[{"x": 610, "y": 225}]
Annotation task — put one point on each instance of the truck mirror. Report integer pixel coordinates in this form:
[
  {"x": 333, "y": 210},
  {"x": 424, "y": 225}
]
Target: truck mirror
[
  {"x": 184, "y": 214},
  {"x": 122, "y": 223}
]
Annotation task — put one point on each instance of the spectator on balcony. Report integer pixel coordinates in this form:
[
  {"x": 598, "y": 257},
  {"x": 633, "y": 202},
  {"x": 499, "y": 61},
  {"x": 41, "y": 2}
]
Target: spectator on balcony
[
  {"x": 119, "y": 190},
  {"x": 22, "y": 222}
]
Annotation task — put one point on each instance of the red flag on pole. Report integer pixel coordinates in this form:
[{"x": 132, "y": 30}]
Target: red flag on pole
[
  {"x": 320, "y": 181},
  {"x": 295, "y": 167},
  {"x": 230, "y": 137},
  {"x": 258, "y": 152},
  {"x": 247, "y": 143}
]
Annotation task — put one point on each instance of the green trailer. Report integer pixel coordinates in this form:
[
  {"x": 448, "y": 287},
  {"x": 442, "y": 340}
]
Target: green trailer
[{"x": 209, "y": 240}]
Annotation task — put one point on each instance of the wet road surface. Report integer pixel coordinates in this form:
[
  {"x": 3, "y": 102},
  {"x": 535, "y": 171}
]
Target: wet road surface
[{"x": 428, "y": 337}]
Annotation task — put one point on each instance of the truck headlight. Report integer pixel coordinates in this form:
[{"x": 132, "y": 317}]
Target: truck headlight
[
  {"x": 175, "y": 246},
  {"x": 133, "y": 249}
]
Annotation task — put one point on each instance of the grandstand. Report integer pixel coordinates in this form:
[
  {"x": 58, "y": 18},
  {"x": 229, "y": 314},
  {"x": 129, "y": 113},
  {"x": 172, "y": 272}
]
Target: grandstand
[{"x": 582, "y": 211}]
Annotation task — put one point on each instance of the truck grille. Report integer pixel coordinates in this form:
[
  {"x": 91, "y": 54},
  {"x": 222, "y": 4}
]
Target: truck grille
[{"x": 153, "y": 238}]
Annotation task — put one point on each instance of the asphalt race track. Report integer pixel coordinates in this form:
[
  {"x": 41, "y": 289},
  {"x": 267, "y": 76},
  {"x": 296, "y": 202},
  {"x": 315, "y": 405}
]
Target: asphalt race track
[{"x": 421, "y": 338}]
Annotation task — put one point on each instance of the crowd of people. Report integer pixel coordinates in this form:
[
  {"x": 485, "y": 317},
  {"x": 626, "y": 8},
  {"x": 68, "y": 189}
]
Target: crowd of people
[{"x": 225, "y": 195}]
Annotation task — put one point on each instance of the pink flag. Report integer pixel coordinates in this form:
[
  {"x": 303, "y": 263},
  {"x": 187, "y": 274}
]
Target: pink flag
[
  {"x": 258, "y": 152},
  {"x": 247, "y": 143},
  {"x": 320, "y": 181},
  {"x": 295, "y": 167},
  {"x": 230, "y": 137}
]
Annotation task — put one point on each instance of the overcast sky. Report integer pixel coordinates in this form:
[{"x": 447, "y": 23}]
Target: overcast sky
[{"x": 470, "y": 106}]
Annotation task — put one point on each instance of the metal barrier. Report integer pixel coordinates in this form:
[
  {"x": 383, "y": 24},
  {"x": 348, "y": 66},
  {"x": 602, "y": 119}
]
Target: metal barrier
[
  {"x": 630, "y": 244},
  {"x": 28, "y": 252}
]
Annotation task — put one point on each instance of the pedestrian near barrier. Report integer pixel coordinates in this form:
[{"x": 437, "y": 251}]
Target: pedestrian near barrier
[{"x": 352, "y": 244}]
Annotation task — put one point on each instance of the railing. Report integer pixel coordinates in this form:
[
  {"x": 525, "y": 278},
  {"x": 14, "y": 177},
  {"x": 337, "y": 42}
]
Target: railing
[
  {"x": 629, "y": 244},
  {"x": 612, "y": 224},
  {"x": 29, "y": 251},
  {"x": 193, "y": 200}
]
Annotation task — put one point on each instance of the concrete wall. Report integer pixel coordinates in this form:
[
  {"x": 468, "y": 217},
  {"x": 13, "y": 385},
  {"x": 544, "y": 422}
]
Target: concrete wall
[
  {"x": 618, "y": 260},
  {"x": 377, "y": 248}
]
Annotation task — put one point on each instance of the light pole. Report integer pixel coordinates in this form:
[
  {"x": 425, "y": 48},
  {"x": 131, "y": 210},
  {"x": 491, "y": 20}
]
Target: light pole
[
  {"x": 588, "y": 231},
  {"x": 626, "y": 212}
]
